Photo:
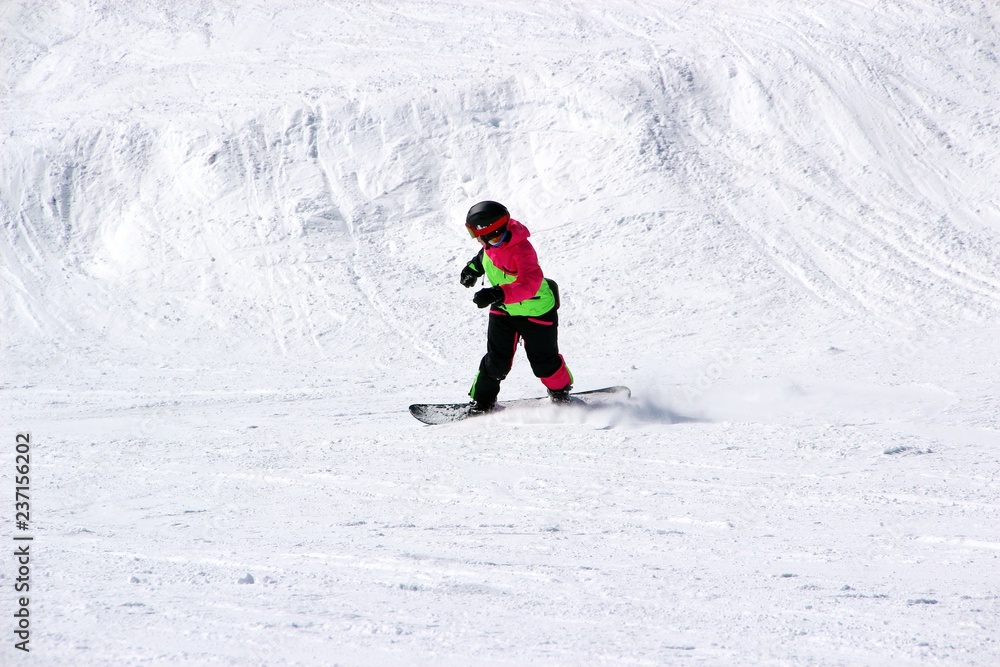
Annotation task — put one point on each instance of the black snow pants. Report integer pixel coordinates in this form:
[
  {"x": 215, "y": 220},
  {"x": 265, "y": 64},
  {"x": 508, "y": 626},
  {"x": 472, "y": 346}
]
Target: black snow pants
[{"x": 541, "y": 345}]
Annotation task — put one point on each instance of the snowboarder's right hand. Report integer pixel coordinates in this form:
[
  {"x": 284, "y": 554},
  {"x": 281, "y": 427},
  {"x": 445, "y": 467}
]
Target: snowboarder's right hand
[{"x": 469, "y": 276}]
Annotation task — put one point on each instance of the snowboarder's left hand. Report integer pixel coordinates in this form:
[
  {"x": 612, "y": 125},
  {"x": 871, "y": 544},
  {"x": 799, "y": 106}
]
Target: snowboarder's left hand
[{"x": 487, "y": 296}]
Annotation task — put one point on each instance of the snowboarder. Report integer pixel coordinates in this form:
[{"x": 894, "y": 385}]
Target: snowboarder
[{"x": 523, "y": 307}]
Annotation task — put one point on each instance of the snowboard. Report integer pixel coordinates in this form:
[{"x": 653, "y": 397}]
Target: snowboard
[{"x": 444, "y": 413}]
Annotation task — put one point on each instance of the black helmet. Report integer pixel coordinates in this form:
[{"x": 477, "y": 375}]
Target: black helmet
[{"x": 487, "y": 219}]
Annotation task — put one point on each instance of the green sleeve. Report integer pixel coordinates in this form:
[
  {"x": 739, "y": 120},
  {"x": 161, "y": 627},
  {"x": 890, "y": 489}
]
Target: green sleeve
[{"x": 477, "y": 264}]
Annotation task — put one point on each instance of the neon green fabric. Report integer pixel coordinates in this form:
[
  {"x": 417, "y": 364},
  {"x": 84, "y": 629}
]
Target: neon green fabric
[{"x": 541, "y": 303}]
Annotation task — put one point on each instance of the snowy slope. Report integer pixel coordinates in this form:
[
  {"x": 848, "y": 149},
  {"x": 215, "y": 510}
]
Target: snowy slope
[{"x": 231, "y": 239}]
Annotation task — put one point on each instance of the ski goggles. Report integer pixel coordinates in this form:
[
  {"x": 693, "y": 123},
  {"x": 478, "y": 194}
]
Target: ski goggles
[{"x": 493, "y": 229}]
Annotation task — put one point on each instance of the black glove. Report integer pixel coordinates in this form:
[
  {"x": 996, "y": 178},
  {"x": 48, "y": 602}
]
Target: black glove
[
  {"x": 469, "y": 276},
  {"x": 488, "y": 296}
]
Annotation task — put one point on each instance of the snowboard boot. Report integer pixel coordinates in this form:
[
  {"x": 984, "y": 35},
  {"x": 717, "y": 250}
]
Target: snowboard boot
[
  {"x": 481, "y": 407},
  {"x": 560, "y": 396}
]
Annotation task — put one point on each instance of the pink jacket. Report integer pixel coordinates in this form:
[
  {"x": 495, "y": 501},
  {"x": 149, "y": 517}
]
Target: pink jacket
[{"x": 517, "y": 258}]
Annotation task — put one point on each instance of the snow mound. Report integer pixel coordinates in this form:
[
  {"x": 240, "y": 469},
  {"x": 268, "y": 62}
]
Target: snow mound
[{"x": 754, "y": 162}]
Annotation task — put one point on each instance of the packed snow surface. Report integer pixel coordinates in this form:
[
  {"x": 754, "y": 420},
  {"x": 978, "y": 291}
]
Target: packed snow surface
[{"x": 232, "y": 234}]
